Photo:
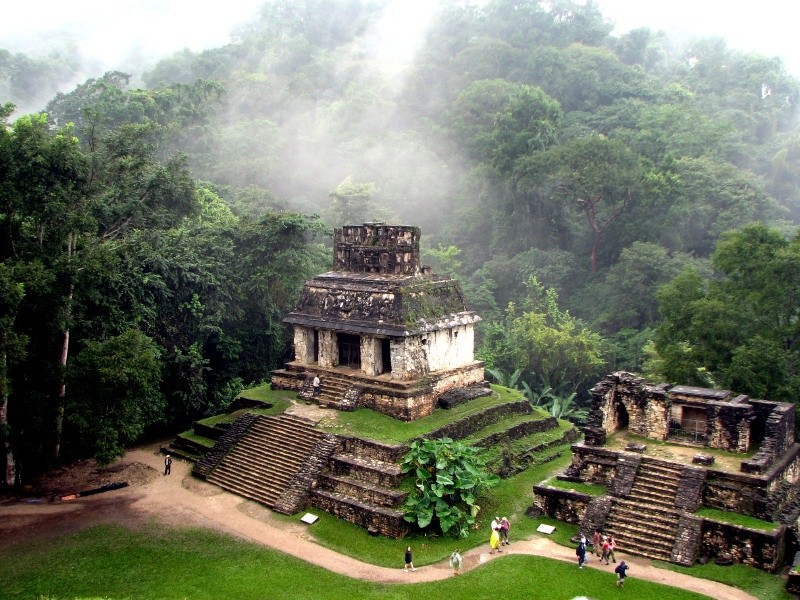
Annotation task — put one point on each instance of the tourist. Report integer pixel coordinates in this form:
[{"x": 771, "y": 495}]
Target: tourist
[
  {"x": 167, "y": 465},
  {"x": 455, "y": 562},
  {"x": 612, "y": 545},
  {"x": 409, "y": 560},
  {"x": 504, "y": 527},
  {"x": 580, "y": 552},
  {"x": 495, "y": 523},
  {"x": 494, "y": 540},
  {"x": 315, "y": 386},
  {"x": 606, "y": 549},
  {"x": 596, "y": 542},
  {"x": 621, "y": 573}
]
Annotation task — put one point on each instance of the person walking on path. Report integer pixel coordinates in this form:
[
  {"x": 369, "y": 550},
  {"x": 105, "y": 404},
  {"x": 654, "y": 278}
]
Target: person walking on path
[
  {"x": 167, "y": 465},
  {"x": 505, "y": 525},
  {"x": 606, "y": 549},
  {"x": 409, "y": 560},
  {"x": 494, "y": 541},
  {"x": 455, "y": 561},
  {"x": 596, "y": 542},
  {"x": 580, "y": 552},
  {"x": 612, "y": 544},
  {"x": 621, "y": 572},
  {"x": 495, "y": 523}
]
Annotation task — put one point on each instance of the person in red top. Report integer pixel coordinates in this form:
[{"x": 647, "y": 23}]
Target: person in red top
[
  {"x": 505, "y": 525},
  {"x": 596, "y": 542},
  {"x": 606, "y": 549}
]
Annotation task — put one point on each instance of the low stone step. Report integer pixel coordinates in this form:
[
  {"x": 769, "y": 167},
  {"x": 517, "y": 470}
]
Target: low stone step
[
  {"x": 642, "y": 531},
  {"x": 642, "y": 547},
  {"x": 636, "y": 507},
  {"x": 259, "y": 454},
  {"x": 641, "y": 520},
  {"x": 652, "y": 497},
  {"x": 362, "y": 491},
  {"x": 274, "y": 478},
  {"x": 268, "y": 499},
  {"x": 277, "y": 471},
  {"x": 369, "y": 470}
]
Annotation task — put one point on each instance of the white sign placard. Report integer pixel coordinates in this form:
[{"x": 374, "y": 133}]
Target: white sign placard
[
  {"x": 548, "y": 529},
  {"x": 309, "y": 518}
]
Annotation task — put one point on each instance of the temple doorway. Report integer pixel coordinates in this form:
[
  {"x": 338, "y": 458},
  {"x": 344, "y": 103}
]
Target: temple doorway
[
  {"x": 349, "y": 350},
  {"x": 386, "y": 356}
]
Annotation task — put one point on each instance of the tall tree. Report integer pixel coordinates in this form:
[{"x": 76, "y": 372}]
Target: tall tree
[{"x": 599, "y": 177}]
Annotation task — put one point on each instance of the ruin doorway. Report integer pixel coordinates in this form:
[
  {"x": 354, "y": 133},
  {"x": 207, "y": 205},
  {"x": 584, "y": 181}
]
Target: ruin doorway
[
  {"x": 621, "y": 415},
  {"x": 316, "y": 346},
  {"x": 386, "y": 356},
  {"x": 349, "y": 350}
]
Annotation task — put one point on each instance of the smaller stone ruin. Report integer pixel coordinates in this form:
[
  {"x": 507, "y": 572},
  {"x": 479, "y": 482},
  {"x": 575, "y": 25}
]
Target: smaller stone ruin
[{"x": 652, "y": 498}]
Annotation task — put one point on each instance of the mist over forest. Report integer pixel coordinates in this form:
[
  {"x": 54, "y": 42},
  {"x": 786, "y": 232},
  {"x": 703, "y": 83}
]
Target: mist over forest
[{"x": 608, "y": 202}]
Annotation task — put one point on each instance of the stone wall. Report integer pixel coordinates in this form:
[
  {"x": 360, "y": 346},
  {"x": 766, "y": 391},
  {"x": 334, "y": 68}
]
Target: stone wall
[
  {"x": 687, "y": 540},
  {"x": 371, "y": 355},
  {"x": 376, "y": 248},
  {"x": 374, "y": 519},
  {"x": 592, "y": 464},
  {"x": 622, "y": 483},
  {"x": 453, "y": 347},
  {"x": 778, "y": 434},
  {"x": 624, "y": 400},
  {"x": 762, "y": 496},
  {"x": 372, "y": 449},
  {"x": 464, "y": 427},
  {"x": 728, "y": 425},
  {"x": 760, "y": 549},
  {"x": 328, "y": 348},
  {"x": 409, "y": 357},
  {"x": 304, "y": 344},
  {"x": 565, "y": 505},
  {"x": 689, "y": 495}
]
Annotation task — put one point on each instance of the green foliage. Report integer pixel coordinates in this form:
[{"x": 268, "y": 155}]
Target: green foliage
[
  {"x": 548, "y": 343},
  {"x": 117, "y": 393},
  {"x": 448, "y": 479},
  {"x": 738, "y": 331},
  {"x": 499, "y": 121}
]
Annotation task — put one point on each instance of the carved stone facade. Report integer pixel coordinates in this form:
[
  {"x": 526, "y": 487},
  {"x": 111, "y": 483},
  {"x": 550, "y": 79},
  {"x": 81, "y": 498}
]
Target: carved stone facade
[
  {"x": 684, "y": 414},
  {"x": 653, "y": 502},
  {"x": 384, "y": 322}
]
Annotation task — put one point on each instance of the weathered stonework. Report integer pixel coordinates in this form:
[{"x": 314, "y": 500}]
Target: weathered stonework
[
  {"x": 379, "y": 314},
  {"x": 760, "y": 549},
  {"x": 564, "y": 505}
]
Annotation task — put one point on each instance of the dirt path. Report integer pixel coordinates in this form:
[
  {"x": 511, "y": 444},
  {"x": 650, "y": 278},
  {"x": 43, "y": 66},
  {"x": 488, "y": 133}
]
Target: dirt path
[{"x": 180, "y": 500}]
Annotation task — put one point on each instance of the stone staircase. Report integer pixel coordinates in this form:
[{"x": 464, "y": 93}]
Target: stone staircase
[
  {"x": 645, "y": 521},
  {"x": 362, "y": 484},
  {"x": 333, "y": 391},
  {"x": 269, "y": 459}
]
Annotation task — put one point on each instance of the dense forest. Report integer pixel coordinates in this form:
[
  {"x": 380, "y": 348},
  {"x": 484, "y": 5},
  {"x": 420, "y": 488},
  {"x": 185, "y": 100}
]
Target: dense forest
[{"x": 608, "y": 202}]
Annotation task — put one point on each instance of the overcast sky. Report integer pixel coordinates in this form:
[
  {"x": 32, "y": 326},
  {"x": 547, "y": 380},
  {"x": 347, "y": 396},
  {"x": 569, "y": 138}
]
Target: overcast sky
[{"x": 120, "y": 33}]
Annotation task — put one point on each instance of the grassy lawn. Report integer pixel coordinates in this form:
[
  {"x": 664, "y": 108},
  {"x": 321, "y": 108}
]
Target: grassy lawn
[
  {"x": 370, "y": 424},
  {"x": 191, "y": 436},
  {"x": 736, "y": 519},
  {"x": 753, "y": 581},
  {"x": 158, "y": 563}
]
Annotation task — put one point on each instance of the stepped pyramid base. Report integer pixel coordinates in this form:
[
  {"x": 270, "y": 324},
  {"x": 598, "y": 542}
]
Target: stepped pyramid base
[{"x": 348, "y": 389}]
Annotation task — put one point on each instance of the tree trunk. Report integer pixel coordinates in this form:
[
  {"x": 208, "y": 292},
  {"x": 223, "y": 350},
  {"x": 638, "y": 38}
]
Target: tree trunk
[
  {"x": 61, "y": 400},
  {"x": 9, "y": 472}
]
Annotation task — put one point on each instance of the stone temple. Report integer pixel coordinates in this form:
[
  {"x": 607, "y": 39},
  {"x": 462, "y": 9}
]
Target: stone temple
[
  {"x": 379, "y": 330},
  {"x": 672, "y": 461}
]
